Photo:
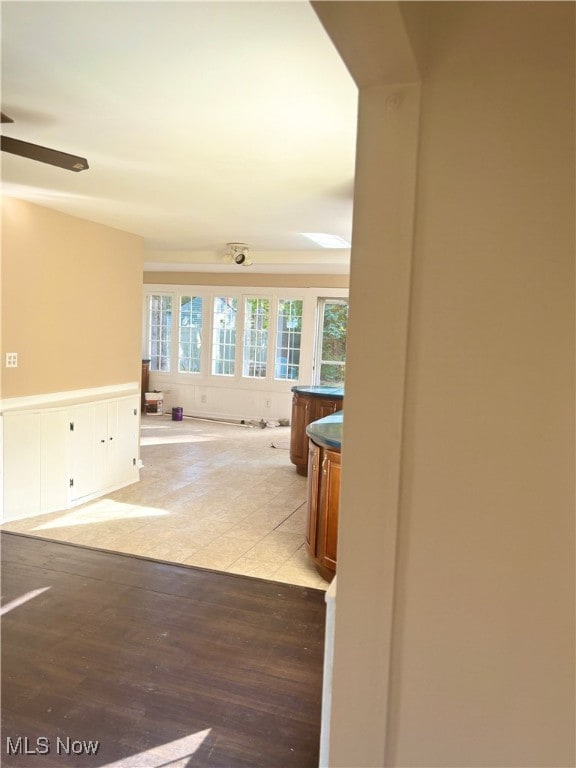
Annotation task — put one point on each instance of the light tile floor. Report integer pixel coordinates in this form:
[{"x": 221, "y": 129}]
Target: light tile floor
[{"x": 214, "y": 495}]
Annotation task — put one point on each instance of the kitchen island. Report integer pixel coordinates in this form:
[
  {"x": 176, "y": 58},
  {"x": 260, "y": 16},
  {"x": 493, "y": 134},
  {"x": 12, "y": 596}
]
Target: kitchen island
[
  {"x": 310, "y": 403},
  {"x": 325, "y": 443}
]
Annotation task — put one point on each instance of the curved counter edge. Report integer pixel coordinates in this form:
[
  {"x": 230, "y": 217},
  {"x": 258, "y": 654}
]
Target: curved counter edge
[{"x": 327, "y": 432}]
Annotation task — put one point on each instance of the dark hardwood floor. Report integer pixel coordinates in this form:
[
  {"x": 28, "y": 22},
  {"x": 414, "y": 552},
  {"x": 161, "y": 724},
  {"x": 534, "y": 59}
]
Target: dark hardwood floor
[{"x": 163, "y": 665}]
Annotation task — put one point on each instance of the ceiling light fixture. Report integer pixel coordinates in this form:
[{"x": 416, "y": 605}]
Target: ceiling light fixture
[
  {"x": 238, "y": 254},
  {"x": 327, "y": 241}
]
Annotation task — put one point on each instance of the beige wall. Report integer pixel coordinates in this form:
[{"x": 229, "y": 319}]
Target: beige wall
[
  {"x": 71, "y": 302},
  {"x": 475, "y": 531},
  {"x": 246, "y": 278}
]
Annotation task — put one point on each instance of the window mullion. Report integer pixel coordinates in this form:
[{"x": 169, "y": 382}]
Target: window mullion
[
  {"x": 272, "y": 339},
  {"x": 240, "y": 337},
  {"x": 176, "y": 335},
  {"x": 207, "y": 324}
]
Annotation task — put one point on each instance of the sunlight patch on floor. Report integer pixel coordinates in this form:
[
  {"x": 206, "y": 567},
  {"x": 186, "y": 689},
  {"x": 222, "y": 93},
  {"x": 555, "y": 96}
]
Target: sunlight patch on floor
[
  {"x": 18, "y": 601},
  {"x": 174, "y": 439},
  {"x": 174, "y": 754},
  {"x": 232, "y": 502},
  {"x": 102, "y": 511}
]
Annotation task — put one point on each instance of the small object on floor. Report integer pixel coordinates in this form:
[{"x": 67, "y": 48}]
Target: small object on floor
[
  {"x": 272, "y": 423},
  {"x": 284, "y": 422},
  {"x": 279, "y": 444},
  {"x": 154, "y": 403}
]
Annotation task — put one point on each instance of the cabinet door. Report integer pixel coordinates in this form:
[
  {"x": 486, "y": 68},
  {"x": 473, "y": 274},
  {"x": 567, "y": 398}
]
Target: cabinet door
[
  {"x": 103, "y": 421},
  {"x": 123, "y": 440},
  {"x": 298, "y": 436},
  {"x": 312, "y": 512},
  {"x": 83, "y": 475},
  {"x": 54, "y": 471},
  {"x": 21, "y": 459},
  {"x": 104, "y": 445},
  {"x": 328, "y": 510},
  {"x": 326, "y": 407}
]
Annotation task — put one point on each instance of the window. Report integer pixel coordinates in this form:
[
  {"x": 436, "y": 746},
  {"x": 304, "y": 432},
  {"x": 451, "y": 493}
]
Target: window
[
  {"x": 253, "y": 338},
  {"x": 224, "y": 336},
  {"x": 288, "y": 339},
  {"x": 331, "y": 345},
  {"x": 159, "y": 332},
  {"x": 256, "y": 320},
  {"x": 190, "y": 338}
]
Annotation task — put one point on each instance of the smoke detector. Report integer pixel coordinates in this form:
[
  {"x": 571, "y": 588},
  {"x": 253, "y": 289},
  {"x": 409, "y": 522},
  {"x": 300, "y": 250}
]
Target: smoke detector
[{"x": 237, "y": 253}]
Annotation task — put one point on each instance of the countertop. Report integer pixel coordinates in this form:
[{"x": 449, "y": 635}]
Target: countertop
[
  {"x": 318, "y": 390},
  {"x": 327, "y": 432}
]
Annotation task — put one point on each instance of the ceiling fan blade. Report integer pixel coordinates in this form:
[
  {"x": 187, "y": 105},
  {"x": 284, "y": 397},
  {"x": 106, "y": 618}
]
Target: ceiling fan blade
[{"x": 43, "y": 154}]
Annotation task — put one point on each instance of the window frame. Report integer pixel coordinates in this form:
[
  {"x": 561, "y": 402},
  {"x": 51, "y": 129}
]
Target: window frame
[
  {"x": 210, "y": 369},
  {"x": 271, "y": 316},
  {"x": 319, "y": 328},
  {"x": 148, "y": 326},
  {"x": 278, "y": 331},
  {"x": 190, "y": 295},
  {"x": 205, "y": 378}
]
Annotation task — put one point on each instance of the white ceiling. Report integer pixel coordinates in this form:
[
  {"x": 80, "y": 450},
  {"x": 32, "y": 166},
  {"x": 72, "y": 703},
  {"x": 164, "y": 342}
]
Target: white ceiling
[{"x": 202, "y": 122}]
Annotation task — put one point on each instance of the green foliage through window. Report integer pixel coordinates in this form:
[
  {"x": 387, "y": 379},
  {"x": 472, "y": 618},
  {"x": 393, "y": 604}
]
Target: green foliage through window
[
  {"x": 256, "y": 320},
  {"x": 334, "y": 329}
]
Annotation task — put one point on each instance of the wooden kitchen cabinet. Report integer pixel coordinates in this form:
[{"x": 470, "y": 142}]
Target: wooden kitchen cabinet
[
  {"x": 309, "y": 404},
  {"x": 323, "y": 508},
  {"x": 144, "y": 384},
  {"x": 313, "y": 497},
  {"x": 298, "y": 437},
  {"x": 329, "y": 505},
  {"x": 324, "y": 406}
]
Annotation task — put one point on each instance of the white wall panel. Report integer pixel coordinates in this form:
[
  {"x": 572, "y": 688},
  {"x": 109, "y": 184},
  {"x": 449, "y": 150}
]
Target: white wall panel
[
  {"x": 21, "y": 448},
  {"x": 57, "y": 456}
]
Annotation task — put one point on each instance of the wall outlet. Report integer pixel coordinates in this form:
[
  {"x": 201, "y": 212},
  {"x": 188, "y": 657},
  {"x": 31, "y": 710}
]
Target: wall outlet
[
  {"x": 267, "y": 402},
  {"x": 202, "y": 398},
  {"x": 11, "y": 359}
]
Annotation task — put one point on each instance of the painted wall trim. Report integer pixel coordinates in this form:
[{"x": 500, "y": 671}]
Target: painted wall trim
[{"x": 71, "y": 397}]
